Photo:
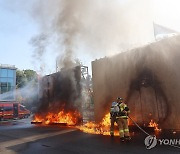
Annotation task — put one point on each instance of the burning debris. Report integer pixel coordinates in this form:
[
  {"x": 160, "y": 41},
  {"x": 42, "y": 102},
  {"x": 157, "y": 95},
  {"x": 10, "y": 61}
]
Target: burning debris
[
  {"x": 98, "y": 128},
  {"x": 62, "y": 117},
  {"x": 152, "y": 123},
  {"x": 103, "y": 127}
]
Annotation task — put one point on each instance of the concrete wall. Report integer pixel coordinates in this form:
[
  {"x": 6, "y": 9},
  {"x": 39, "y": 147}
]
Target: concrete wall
[{"x": 148, "y": 79}]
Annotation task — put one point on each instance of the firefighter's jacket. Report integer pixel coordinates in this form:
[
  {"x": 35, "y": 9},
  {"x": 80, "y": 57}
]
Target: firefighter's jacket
[{"x": 122, "y": 111}]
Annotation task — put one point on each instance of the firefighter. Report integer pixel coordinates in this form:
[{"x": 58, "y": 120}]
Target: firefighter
[
  {"x": 119, "y": 114},
  {"x": 113, "y": 114}
]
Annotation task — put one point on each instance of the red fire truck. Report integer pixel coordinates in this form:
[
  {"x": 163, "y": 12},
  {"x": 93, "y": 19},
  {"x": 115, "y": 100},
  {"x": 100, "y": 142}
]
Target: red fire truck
[{"x": 12, "y": 110}]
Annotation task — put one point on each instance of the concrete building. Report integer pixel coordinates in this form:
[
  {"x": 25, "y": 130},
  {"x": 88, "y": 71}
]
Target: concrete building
[{"x": 7, "y": 82}]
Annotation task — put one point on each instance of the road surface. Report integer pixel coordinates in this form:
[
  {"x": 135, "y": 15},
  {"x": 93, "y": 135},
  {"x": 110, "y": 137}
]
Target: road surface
[{"x": 21, "y": 137}]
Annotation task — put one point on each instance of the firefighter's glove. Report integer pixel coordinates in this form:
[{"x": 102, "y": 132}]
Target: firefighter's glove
[{"x": 125, "y": 112}]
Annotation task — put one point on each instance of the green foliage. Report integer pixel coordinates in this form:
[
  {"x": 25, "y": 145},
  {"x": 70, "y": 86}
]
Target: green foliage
[
  {"x": 20, "y": 79},
  {"x": 24, "y": 77},
  {"x": 30, "y": 75}
]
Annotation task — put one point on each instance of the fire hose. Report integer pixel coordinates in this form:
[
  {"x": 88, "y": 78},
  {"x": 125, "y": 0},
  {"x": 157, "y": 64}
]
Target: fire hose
[
  {"x": 138, "y": 126},
  {"x": 146, "y": 132}
]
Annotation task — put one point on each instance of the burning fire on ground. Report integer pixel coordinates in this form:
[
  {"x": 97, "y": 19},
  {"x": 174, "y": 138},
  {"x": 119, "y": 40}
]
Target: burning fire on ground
[
  {"x": 69, "y": 118},
  {"x": 101, "y": 128},
  {"x": 72, "y": 119},
  {"x": 104, "y": 127},
  {"x": 152, "y": 123}
]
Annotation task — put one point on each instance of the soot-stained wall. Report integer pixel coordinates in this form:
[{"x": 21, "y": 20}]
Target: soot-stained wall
[
  {"x": 61, "y": 90},
  {"x": 146, "y": 77}
]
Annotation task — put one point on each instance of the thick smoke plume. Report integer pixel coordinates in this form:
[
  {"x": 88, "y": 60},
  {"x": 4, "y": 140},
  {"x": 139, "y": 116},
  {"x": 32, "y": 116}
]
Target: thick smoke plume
[
  {"x": 78, "y": 28},
  {"x": 90, "y": 27}
]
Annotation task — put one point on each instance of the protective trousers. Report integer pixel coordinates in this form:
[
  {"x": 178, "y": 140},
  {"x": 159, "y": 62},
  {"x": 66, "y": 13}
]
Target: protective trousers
[
  {"x": 123, "y": 127},
  {"x": 113, "y": 120}
]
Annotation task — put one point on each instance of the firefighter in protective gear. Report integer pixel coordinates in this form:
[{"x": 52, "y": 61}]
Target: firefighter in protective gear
[
  {"x": 113, "y": 114},
  {"x": 119, "y": 114}
]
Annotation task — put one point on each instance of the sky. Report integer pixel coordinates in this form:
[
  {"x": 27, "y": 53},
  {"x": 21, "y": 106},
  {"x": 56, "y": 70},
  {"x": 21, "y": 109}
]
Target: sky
[
  {"x": 16, "y": 30},
  {"x": 18, "y": 27}
]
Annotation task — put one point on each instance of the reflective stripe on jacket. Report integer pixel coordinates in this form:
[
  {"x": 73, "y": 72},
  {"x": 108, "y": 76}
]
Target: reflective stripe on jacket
[{"x": 122, "y": 106}]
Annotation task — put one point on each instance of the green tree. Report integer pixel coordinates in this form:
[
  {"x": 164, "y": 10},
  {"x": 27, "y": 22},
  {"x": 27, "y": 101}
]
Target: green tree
[
  {"x": 24, "y": 77},
  {"x": 27, "y": 87},
  {"x": 30, "y": 75},
  {"x": 20, "y": 79}
]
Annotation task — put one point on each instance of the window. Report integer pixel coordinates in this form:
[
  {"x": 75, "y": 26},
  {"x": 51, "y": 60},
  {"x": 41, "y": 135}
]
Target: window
[
  {"x": 3, "y": 84},
  {"x": 8, "y": 108},
  {"x": 7, "y": 83},
  {"x": 3, "y": 72},
  {"x": 11, "y": 73},
  {"x": 10, "y": 82},
  {"x": 3, "y": 89},
  {"x": 10, "y": 88},
  {"x": 22, "y": 108},
  {"x": 3, "y": 79}
]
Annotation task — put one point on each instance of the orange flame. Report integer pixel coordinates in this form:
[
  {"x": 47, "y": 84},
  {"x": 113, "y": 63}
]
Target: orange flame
[
  {"x": 70, "y": 118},
  {"x": 37, "y": 118},
  {"x": 102, "y": 128},
  {"x": 152, "y": 123}
]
